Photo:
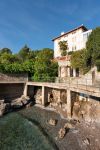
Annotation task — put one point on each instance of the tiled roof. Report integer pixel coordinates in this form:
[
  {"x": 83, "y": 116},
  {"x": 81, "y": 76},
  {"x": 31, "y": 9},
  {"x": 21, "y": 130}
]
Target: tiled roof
[{"x": 82, "y": 26}]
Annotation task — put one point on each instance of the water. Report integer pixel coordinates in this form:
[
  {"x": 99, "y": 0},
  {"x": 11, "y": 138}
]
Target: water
[{"x": 20, "y": 133}]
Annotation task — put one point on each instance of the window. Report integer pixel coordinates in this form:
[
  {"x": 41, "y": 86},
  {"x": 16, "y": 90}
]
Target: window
[
  {"x": 74, "y": 39},
  {"x": 73, "y": 48}
]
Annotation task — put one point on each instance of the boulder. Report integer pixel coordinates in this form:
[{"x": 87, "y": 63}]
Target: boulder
[
  {"x": 86, "y": 141},
  {"x": 38, "y": 96},
  {"x": 68, "y": 126},
  {"x": 2, "y": 101},
  {"x": 52, "y": 122},
  {"x": 23, "y": 97},
  {"x": 61, "y": 133},
  {"x": 19, "y": 102},
  {"x": 4, "y": 108}
]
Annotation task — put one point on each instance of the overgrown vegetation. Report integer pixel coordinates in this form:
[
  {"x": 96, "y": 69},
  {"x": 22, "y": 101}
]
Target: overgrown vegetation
[
  {"x": 63, "y": 46},
  {"x": 89, "y": 57},
  {"x": 37, "y": 63},
  {"x": 93, "y": 49},
  {"x": 78, "y": 60}
]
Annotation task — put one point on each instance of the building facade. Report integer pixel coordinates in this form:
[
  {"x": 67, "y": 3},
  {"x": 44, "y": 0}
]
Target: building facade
[{"x": 76, "y": 40}]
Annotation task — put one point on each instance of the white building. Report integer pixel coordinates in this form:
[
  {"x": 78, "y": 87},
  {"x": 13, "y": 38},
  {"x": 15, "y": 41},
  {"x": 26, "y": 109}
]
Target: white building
[{"x": 76, "y": 40}]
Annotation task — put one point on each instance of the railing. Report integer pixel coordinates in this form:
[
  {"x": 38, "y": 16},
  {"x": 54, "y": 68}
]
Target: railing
[
  {"x": 70, "y": 81},
  {"x": 75, "y": 84},
  {"x": 43, "y": 79}
]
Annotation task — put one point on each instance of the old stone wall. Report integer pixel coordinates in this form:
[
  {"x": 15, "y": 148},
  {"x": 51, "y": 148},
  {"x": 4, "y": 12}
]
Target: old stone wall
[
  {"x": 14, "y": 77},
  {"x": 86, "y": 108},
  {"x": 83, "y": 107},
  {"x": 38, "y": 95},
  {"x": 9, "y": 92}
]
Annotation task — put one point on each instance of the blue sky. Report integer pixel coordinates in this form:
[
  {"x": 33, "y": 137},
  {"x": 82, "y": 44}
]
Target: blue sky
[{"x": 36, "y": 22}]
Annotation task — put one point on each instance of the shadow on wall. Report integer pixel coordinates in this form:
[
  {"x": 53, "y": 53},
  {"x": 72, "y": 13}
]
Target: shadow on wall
[{"x": 8, "y": 92}]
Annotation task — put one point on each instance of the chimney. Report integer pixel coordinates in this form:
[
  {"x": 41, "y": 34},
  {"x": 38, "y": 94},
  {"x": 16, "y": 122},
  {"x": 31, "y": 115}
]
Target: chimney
[{"x": 62, "y": 33}]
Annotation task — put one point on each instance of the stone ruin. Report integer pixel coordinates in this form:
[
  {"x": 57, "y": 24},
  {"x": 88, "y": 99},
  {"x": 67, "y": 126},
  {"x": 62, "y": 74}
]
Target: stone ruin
[{"x": 82, "y": 107}]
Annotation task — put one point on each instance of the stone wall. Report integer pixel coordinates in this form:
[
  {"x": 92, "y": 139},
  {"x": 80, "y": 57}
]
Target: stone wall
[
  {"x": 14, "y": 77},
  {"x": 10, "y": 91},
  {"x": 86, "y": 108},
  {"x": 83, "y": 107}
]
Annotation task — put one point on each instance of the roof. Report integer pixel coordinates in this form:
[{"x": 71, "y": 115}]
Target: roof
[
  {"x": 82, "y": 26},
  {"x": 63, "y": 58}
]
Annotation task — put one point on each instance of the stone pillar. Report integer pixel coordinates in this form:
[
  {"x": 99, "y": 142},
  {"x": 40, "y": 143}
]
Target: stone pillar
[
  {"x": 25, "y": 90},
  {"x": 59, "y": 71},
  {"x": 68, "y": 71},
  {"x": 74, "y": 72},
  {"x": 44, "y": 96},
  {"x": 69, "y": 103}
]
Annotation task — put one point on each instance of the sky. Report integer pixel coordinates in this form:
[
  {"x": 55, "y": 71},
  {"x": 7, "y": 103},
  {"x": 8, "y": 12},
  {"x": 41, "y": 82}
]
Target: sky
[{"x": 37, "y": 22}]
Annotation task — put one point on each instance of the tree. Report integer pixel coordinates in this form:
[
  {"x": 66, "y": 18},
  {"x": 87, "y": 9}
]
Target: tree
[
  {"x": 5, "y": 50},
  {"x": 24, "y": 53},
  {"x": 63, "y": 46},
  {"x": 38, "y": 64},
  {"x": 93, "y": 48},
  {"x": 78, "y": 60},
  {"x": 8, "y": 58},
  {"x": 43, "y": 67}
]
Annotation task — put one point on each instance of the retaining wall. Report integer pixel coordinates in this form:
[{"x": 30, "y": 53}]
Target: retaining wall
[
  {"x": 14, "y": 77},
  {"x": 10, "y": 91}
]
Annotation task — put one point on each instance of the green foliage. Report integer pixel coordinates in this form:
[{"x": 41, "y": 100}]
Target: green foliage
[
  {"x": 8, "y": 58},
  {"x": 5, "y": 50},
  {"x": 93, "y": 48},
  {"x": 38, "y": 64},
  {"x": 89, "y": 57},
  {"x": 24, "y": 53},
  {"x": 78, "y": 59},
  {"x": 98, "y": 64},
  {"x": 44, "y": 68},
  {"x": 70, "y": 53},
  {"x": 63, "y": 47}
]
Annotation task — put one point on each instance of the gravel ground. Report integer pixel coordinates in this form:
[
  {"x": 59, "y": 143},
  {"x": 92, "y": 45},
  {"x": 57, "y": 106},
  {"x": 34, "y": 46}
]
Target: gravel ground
[{"x": 83, "y": 136}]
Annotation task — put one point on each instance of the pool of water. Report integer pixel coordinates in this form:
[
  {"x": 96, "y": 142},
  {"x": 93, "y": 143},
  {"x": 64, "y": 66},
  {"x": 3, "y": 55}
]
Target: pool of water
[{"x": 20, "y": 133}]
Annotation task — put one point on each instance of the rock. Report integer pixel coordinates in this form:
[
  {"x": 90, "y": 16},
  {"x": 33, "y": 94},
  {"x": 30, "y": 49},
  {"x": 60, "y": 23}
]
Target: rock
[
  {"x": 19, "y": 102},
  {"x": 23, "y": 97},
  {"x": 38, "y": 96},
  {"x": 68, "y": 126},
  {"x": 62, "y": 133},
  {"x": 29, "y": 105},
  {"x": 2, "y": 101},
  {"x": 74, "y": 121},
  {"x": 4, "y": 108},
  {"x": 52, "y": 122},
  {"x": 76, "y": 110},
  {"x": 86, "y": 141}
]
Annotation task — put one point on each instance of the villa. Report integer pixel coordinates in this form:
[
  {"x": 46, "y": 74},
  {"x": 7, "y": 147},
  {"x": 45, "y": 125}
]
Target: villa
[{"x": 76, "y": 40}]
